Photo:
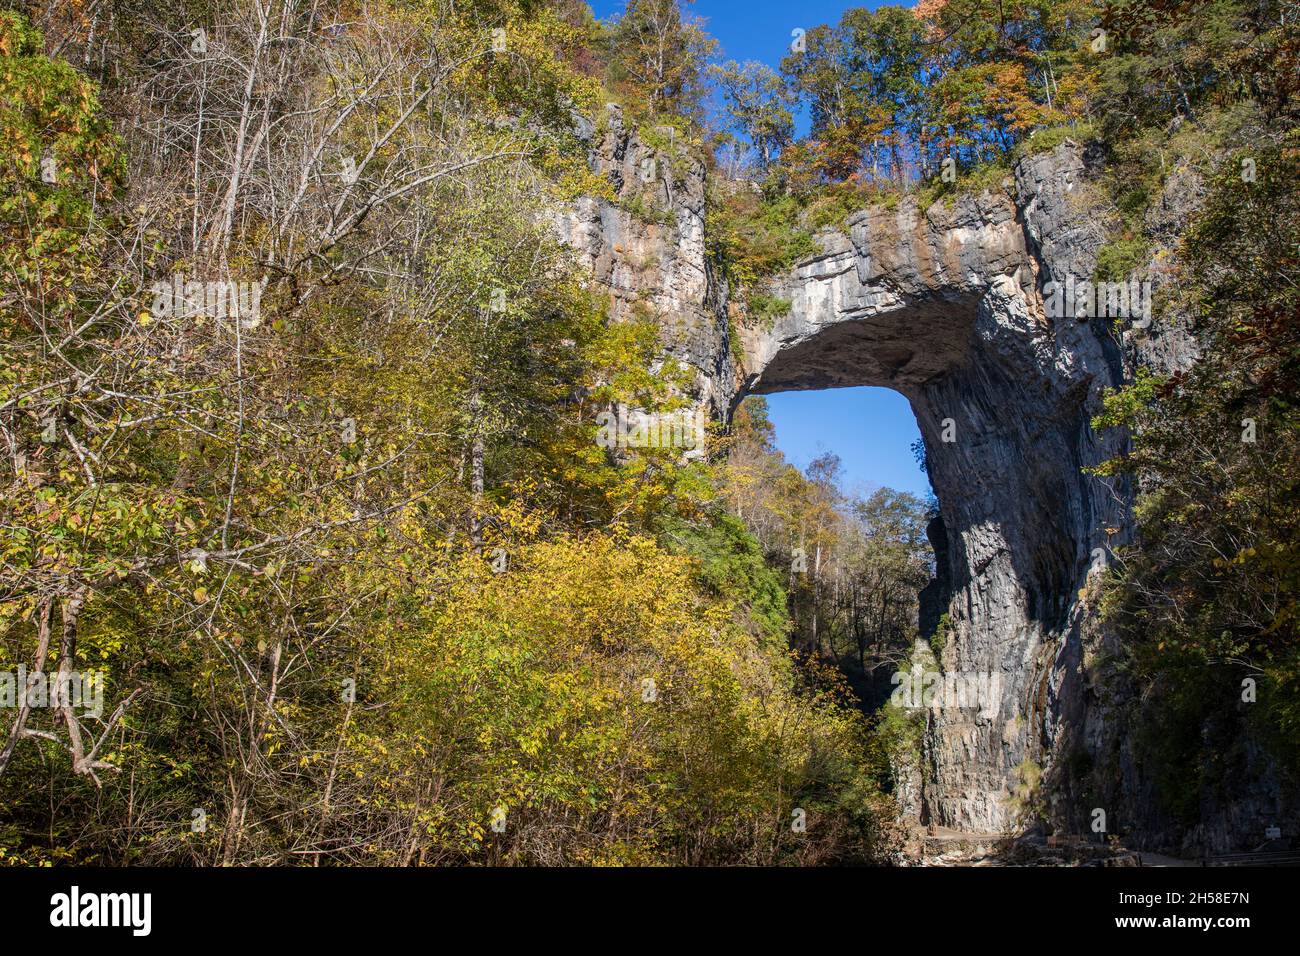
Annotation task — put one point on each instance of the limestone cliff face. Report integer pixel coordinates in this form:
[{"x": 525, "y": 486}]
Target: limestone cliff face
[
  {"x": 945, "y": 305},
  {"x": 647, "y": 251}
]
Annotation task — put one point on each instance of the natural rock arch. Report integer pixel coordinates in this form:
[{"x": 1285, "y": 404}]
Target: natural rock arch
[{"x": 944, "y": 305}]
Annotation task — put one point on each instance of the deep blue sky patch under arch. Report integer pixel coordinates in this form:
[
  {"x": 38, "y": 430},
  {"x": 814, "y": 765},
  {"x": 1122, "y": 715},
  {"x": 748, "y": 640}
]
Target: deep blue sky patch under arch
[{"x": 871, "y": 429}]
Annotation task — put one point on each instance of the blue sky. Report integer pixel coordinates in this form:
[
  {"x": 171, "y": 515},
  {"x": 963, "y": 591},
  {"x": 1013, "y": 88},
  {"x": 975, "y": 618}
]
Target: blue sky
[
  {"x": 871, "y": 429},
  {"x": 755, "y": 30}
]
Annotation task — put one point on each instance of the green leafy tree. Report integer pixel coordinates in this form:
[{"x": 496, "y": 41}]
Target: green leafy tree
[
  {"x": 1207, "y": 595},
  {"x": 758, "y": 106}
]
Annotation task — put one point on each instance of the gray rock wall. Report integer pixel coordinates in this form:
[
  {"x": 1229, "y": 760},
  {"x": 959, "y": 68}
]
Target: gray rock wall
[{"x": 655, "y": 267}]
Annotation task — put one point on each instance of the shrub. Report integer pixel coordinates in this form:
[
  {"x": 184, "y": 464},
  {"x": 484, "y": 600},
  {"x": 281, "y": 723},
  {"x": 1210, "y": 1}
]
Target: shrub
[{"x": 610, "y": 711}]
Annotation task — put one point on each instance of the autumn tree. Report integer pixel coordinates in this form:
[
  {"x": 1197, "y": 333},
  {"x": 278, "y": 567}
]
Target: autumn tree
[
  {"x": 759, "y": 107},
  {"x": 658, "y": 57}
]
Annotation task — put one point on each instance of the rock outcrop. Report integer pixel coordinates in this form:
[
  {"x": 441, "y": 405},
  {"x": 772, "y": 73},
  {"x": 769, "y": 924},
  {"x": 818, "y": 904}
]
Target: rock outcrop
[{"x": 647, "y": 251}]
